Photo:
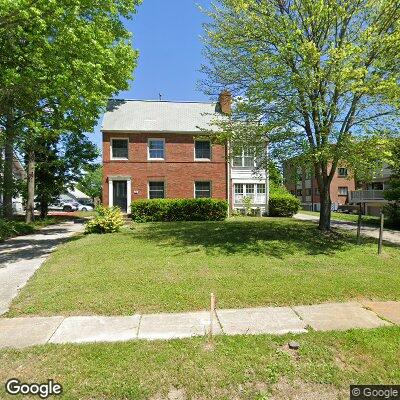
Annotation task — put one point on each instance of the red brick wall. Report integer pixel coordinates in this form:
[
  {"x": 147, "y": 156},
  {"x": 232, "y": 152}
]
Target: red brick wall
[
  {"x": 179, "y": 171},
  {"x": 336, "y": 183}
]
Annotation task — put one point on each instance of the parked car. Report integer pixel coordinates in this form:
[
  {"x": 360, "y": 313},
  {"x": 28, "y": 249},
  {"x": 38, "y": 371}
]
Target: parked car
[
  {"x": 84, "y": 207},
  {"x": 59, "y": 205}
]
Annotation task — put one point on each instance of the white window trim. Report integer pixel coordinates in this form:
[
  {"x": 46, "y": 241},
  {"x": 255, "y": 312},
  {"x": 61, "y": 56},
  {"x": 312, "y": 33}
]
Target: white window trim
[
  {"x": 202, "y": 180},
  {"x": 156, "y": 180},
  {"x": 202, "y": 159},
  {"x": 242, "y": 156},
  {"x": 111, "y": 149},
  {"x": 148, "y": 149},
  {"x": 128, "y": 191}
]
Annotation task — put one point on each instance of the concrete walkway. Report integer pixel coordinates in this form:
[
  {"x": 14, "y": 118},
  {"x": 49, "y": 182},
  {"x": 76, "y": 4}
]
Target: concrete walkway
[
  {"x": 23, "y": 332},
  {"x": 389, "y": 235},
  {"x": 21, "y": 256}
]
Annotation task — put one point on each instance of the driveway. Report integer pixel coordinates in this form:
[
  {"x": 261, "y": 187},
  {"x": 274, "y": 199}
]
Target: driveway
[
  {"x": 370, "y": 231},
  {"x": 21, "y": 256}
]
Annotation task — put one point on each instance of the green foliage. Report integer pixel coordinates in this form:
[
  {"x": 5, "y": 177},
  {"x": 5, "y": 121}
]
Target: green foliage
[
  {"x": 179, "y": 210},
  {"x": 13, "y": 228},
  {"x": 247, "y": 201},
  {"x": 392, "y": 215},
  {"x": 283, "y": 204},
  {"x": 92, "y": 181},
  {"x": 59, "y": 163},
  {"x": 107, "y": 220},
  {"x": 313, "y": 78}
]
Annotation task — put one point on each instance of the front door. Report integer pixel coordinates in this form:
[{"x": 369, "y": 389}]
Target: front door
[{"x": 120, "y": 190}]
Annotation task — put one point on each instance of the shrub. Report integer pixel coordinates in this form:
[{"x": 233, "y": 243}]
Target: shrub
[
  {"x": 13, "y": 228},
  {"x": 392, "y": 215},
  {"x": 167, "y": 210},
  {"x": 106, "y": 220},
  {"x": 283, "y": 205}
]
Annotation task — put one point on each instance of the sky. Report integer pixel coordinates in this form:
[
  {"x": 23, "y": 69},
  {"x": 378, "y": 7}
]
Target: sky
[{"x": 167, "y": 35}]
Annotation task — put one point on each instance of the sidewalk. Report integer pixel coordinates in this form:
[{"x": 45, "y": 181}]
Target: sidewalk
[
  {"x": 21, "y": 256},
  {"x": 389, "y": 235},
  {"x": 23, "y": 332}
]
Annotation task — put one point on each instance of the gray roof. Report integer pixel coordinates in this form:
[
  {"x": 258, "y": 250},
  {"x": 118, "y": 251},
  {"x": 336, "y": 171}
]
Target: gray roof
[{"x": 158, "y": 116}]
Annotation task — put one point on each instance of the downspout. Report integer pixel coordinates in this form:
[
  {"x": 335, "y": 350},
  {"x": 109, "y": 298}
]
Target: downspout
[
  {"x": 228, "y": 177},
  {"x": 267, "y": 182}
]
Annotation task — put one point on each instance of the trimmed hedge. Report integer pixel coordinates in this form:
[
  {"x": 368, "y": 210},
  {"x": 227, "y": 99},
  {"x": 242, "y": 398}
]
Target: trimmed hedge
[
  {"x": 283, "y": 205},
  {"x": 167, "y": 210}
]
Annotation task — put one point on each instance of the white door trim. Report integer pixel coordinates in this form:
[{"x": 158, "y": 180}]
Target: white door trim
[{"x": 128, "y": 180}]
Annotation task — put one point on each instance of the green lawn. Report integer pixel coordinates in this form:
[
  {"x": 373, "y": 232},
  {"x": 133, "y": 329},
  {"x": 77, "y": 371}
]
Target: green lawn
[
  {"x": 240, "y": 368},
  {"x": 171, "y": 267},
  {"x": 337, "y": 216}
]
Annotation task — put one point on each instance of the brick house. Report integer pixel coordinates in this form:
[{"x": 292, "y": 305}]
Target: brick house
[
  {"x": 156, "y": 149},
  {"x": 301, "y": 182}
]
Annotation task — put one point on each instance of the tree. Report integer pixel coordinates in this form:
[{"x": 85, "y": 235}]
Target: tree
[
  {"x": 59, "y": 60},
  {"x": 317, "y": 79},
  {"x": 392, "y": 194},
  {"x": 91, "y": 182},
  {"x": 59, "y": 164}
]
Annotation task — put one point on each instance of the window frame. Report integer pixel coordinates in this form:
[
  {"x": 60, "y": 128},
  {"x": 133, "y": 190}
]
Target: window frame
[
  {"x": 243, "y": 156},
  {"x": 156, "y": 181},
  {"x": 148, "y": 149},
  {"x": 112, "y": 158},
  {"x": 202, "y": 181},
  {"x": 342, "y": 175},
  {"x": 343, "y": 187},
  {"x": 202, "y": 159}
]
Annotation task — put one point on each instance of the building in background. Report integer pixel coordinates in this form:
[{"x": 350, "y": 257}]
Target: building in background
[
  {"x": 302, "y": 183},
  {"x": 370, "y": 195}
]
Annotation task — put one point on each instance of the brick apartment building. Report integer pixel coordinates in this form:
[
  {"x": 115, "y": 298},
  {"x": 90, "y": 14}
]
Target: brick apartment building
[
  {"x": 156, "y": 149},
  {"x": 301, "y": 182}
]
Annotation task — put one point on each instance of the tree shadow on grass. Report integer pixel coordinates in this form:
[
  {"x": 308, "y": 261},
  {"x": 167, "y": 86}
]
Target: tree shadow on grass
[{"x": 269, "y": 237}]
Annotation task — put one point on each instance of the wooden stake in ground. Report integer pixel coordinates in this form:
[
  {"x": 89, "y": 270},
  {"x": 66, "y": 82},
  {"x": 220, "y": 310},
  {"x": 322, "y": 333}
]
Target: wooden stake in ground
[
  {"x": 359, "y": 225},
  {"x": 381, "y": 234},
  {"x": 212, "y": 311}
]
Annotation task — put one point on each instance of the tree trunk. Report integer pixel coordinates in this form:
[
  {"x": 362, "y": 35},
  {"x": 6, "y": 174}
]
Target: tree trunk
[
  {"x": 44, "y": 209},
  {"x": 8, "y": 180},
  {"x": 30, "y": 201},
  {"x": 326, "y": 208}
]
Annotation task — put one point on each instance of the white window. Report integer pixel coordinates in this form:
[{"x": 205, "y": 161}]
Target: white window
[
  {"x": 261, "y": 188},
  {"x": 202, "y": 190},
  {"x": 156, "y": 149},
  {"x": 202, "y": 150},
  {"x": 156, "y": 190},
  {"x": 243, "y": 158},
  {"x": 119, "y": 149},
  {"x": 343, "y": 190},
  {"x": 342, "y": 172},
  {"x": 239, "y": 188},
  {"x": 250, "y": 189}
]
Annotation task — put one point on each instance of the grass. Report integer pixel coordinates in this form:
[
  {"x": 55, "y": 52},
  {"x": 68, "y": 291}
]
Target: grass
[
  {"x": 368, "y": 220},
  {"x": 240, "y": 368},
  {"x": 17, "y": 226},
  {"x": 170, "y": 267}
]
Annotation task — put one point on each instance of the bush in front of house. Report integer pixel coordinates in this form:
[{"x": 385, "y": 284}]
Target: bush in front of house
[
  {"x": 168, "y": 210},
  {"x": 392, "y": 215},
  {"x": 106, "y": 220},
  {"x": 283, "y": 204}
]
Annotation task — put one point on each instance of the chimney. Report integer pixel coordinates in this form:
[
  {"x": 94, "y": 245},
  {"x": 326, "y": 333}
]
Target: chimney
[{"x": 225, "y": 102}]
